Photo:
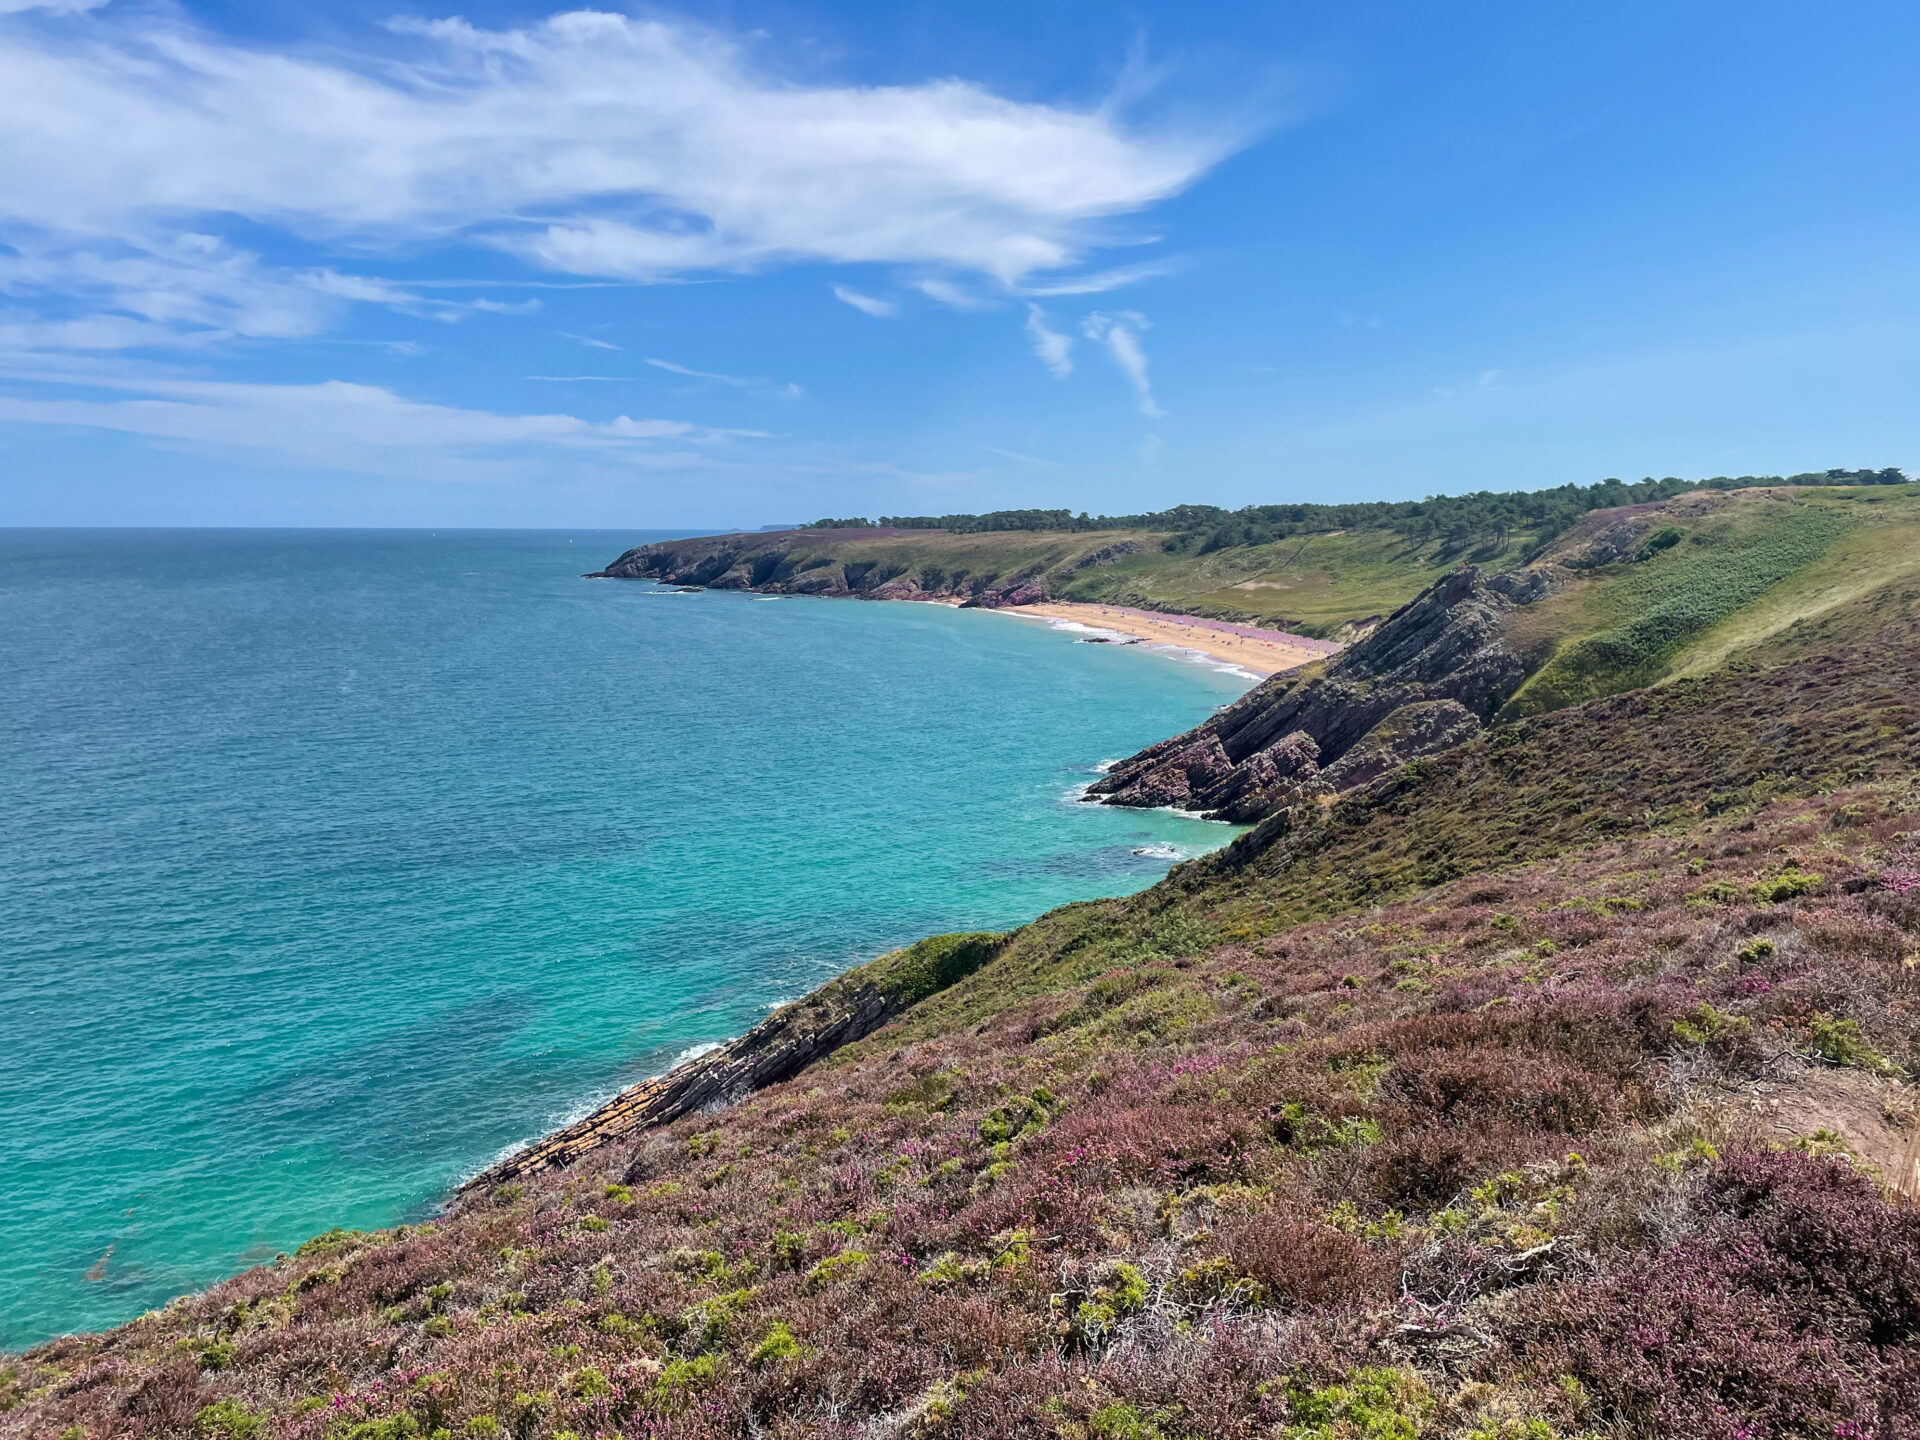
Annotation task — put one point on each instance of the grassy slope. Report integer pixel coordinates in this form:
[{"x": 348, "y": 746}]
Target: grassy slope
[
  {"x": 940, "y": 555},
  {"x": 1751, "y": 562},
  {"x": 1315, "y": 585},
  {"x": 1430, "y": 1115}
]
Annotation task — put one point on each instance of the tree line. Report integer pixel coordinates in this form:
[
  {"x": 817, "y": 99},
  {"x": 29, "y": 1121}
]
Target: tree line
[{"x": 1454, "y": 519}]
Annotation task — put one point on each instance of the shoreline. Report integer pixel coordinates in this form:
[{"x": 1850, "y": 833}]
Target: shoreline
[{"x": 1258, "y": 651}]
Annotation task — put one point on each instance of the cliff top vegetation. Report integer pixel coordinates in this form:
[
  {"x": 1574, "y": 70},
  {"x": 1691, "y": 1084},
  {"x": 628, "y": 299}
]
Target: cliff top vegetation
[
  {"x": 1555, "y": 1085},
  {"x": 1543, "y": 514},
  {"x": 1325, "y": 571}
]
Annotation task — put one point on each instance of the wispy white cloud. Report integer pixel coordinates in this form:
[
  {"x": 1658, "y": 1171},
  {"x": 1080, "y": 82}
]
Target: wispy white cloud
[
  {"x": 57, "y": 7},
  {"x": 1023, "y": 459},
  {"x": 1120, "y": 333},
  {"x": 335, "y": 424},
  {"x": 191, "y": 289},
  {"x": 787, "y": 391},
  {"x": 866, "y": 304},
  {"x": 587, "y": 340},
  {"x": 1104, "y": 280},
  {"x": 599, "y": 144},
  {"x": 954, "y": 297},
  {"x": 1485, "y": 380},
  {"x": 734, "y": 380},
  {"x": 1054, "y": 349}
]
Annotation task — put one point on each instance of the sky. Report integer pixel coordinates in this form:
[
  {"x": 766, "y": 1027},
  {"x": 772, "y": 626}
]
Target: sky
[{"x": 346, "y": 262}]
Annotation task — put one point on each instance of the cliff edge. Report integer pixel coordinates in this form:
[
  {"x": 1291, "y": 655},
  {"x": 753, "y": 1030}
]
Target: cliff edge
[{"x": 1431, "y": 676}]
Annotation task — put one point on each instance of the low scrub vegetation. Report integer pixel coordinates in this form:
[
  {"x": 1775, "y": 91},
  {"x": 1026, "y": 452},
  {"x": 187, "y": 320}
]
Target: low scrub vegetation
[{"x": 1542, "y": 1091}]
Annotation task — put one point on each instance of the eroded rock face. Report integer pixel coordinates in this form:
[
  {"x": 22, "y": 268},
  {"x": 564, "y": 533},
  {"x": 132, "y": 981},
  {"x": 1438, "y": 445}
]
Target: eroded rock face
[
  {"x": 782, "y": 1045},
  {"x": 780, "y": 564},
  {"x": 1426, "y": 679},
  {"x": 840, "y": 1012}
]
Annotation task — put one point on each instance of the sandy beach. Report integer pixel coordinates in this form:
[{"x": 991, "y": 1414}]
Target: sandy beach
[{"x": 1263, "y": 652}]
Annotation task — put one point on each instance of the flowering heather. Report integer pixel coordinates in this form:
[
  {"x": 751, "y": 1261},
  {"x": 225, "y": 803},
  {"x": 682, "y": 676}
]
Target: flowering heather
[
  {"x": 1902, "y": 877},
  {"x": 1421, "y": 1119}
]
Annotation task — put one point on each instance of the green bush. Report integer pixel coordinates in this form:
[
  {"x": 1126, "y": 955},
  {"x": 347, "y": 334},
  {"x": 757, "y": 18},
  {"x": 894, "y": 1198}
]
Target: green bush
[
  {"x": 1710, "y": 1027},
  {"x": 931, "y": 965},
  {"x": 1120, "y": 1421},
  {"x": 1375, "y": 1403},
  {"x": 327, "y": 1243},
  {"x": 681, "y": 1374},
  {"x": 1839, "y": 1042},
  {"x": 228, "y": 1419},
  {"x": 1790, "y": 884},
  {"x": 779, "y": 1344},
  {"x": 834, "y": 1267}
]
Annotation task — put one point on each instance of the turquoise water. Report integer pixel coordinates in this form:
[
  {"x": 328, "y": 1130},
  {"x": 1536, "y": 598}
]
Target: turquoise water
[{"x": 333, "y": 863}]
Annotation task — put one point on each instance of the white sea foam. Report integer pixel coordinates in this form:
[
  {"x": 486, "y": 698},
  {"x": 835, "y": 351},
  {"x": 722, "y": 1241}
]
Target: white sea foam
[
  {"x": 694, "y": 1052},
  {"x": 1200, "y": 657},
  {"x": 556, "y": 1121}
]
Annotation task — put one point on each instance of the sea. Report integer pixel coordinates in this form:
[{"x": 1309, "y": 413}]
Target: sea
[{"x": 335, "y": 864}]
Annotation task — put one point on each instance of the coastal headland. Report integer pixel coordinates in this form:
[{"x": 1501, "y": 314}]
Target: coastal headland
[{"x": 1538, "y": 1064}]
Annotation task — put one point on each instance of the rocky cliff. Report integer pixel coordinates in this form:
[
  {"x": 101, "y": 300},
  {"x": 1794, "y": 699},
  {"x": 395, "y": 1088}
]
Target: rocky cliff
[
  {"x": 838, "y": 1013},
  {"x": 1429, "y": 677},
  {"x": 1004, "y": 568}
]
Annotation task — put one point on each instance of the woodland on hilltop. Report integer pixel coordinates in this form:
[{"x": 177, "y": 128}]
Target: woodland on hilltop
[
  {"x": 1460, "y": 518},
  {"x": 1328, "y": 571}
]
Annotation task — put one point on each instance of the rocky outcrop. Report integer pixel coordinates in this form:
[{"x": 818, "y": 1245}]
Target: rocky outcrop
[
  {"x": 812, "y": 562},
  {"x": 781, "y": 1046},
  {"x": 1428, "y": 677}
]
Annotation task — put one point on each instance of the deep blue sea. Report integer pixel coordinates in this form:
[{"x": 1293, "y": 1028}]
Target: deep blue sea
[{"x": 333, "y": 863}]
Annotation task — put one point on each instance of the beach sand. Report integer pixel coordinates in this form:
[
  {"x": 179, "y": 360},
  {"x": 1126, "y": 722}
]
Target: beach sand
[{"x": 1262, "y": 656}]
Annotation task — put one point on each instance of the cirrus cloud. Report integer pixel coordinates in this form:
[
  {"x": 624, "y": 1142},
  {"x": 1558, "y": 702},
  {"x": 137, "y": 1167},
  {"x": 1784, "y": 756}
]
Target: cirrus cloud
[{"x": 590, "y": 143}]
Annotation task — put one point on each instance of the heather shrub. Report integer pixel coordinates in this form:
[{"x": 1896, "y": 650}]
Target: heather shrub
[
  {"x": 1306, "y": 1262},
  {"x": 1480, "y": 1084},
  {"x": 1818, "y": 1231},
  {"x": 1762, "y": 1323},
  {"x": 1425, "y": 1167},
  {"x": 1902, "y": 874}
]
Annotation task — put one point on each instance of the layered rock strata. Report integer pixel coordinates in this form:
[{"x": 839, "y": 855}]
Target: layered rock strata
[
  {"x": 805, "y": 562},
  {"x": 838, "y": 1013},
  {"x": 1430, "y": 676}
]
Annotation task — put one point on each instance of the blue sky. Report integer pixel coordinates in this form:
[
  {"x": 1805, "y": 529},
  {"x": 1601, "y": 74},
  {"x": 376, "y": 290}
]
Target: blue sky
[{"x": 354, "y": 263}]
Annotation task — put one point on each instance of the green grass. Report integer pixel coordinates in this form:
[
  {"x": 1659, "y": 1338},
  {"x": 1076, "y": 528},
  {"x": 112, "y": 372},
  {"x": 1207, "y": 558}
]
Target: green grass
[
  {"x": 1320, "y": 585},
  {"x": 1624, "y": 626}
]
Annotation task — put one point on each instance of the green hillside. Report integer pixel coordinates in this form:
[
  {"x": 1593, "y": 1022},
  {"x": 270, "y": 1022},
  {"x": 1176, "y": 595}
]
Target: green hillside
[
  {"x": 1556, "y": 1083},
  {"x": 1333, "y": 571},
  {"x": 1555, "y": 1086}
]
